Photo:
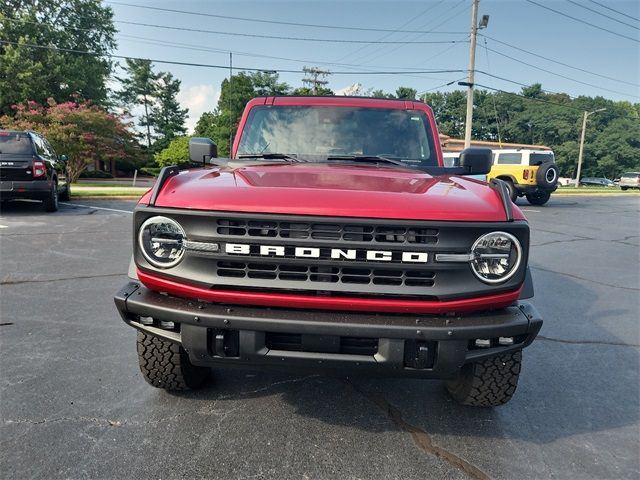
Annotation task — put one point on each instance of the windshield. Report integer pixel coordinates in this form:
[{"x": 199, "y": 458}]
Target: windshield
[
  {"x": 313, "y": 133},
  {"x": 15, "y": 143}
]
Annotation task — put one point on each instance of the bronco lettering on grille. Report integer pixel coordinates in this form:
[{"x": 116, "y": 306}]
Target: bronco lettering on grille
[{"x": 325, "y": 253}]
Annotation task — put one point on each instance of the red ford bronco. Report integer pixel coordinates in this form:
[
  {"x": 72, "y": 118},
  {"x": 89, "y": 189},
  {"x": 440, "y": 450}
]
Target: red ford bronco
[{"x": 333, "y": 239}]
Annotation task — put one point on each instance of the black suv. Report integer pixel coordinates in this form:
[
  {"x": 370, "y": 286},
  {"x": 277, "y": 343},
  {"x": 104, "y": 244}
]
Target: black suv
[{"x": 30, "y": 168}]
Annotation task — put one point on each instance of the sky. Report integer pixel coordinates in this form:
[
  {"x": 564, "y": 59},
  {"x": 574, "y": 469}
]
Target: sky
[{"x": 518, "y": 23}]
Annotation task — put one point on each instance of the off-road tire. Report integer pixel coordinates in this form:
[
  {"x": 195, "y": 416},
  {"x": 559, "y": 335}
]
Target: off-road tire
[
  {"x": 51, "y": 202},
  {"x": 538, "y": 198},
  {"x": 166, "y": 364},
  {"x": 489, "y": 383},
  {"x": 66, "y": 195},
  {"x": 547, "y": 175}
]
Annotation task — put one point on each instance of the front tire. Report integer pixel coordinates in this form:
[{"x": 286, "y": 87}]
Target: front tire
[
  {"x": 538, "y": 198},
  {"x": 166, "y": 365},
  {"x": 513, "y": 194},
  {"x": 624, "y": 188},
  {"x": 489, "y": 383},
  {"x": 66, "y": 195}
]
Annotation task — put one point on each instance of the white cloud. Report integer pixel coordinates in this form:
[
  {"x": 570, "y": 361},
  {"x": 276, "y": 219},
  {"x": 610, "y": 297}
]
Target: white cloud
[{"x": 198, "y": 99}]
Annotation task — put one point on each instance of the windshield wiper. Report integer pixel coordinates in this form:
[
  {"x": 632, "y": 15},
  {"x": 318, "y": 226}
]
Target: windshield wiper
[
  {"x": 368, "y": 158},
  {"x": 271, "y": 156}
]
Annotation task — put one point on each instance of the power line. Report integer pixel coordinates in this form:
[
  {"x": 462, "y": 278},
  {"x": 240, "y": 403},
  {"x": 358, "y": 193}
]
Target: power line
[
  {"x": 616, "y": 11},
  {"x": 583, "y": 21},
  {"x": 275, "y": 22},
  {"x": 387, "y": 35},
  {"x": 371, "y": 59},
  {"x": 557, "y": 61},
  {"x": 277, "y": 37},
  {"x": 206, "y": 65},
  {"x": 603, "y": 14},
  {"x": 535, "y": 99},
  {"x": 190, "y": 46},
  {"x": 559, "y": 74}
]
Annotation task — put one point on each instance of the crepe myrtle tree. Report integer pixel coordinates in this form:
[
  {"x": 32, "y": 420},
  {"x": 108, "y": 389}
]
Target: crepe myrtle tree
[{"x": 84, "y": 132}]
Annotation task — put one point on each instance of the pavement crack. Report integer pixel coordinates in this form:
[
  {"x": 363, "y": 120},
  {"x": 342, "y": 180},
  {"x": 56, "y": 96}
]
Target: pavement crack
[
  {"x": 587, "y": 342},
  {"x": 577, "y": 277},
  {"x": 275, "y": 384},
  {"x": 6, "y": 324},
  {"x": 97, "y": 421},
  {"x": 421, "y": 438},
  {"x": 553, "y": 242},
  {"x": 78, "y": 277}
]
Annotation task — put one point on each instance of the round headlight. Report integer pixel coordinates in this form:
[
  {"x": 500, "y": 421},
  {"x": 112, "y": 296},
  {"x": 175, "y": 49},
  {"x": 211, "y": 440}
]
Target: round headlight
[
  {"x": 496, "y": 257},
  {"x": 161, "y": 241}
]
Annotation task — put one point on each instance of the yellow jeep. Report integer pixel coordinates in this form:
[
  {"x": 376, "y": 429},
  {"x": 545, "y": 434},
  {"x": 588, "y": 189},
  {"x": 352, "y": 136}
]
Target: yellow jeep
[{"x": 529, "y": 173}]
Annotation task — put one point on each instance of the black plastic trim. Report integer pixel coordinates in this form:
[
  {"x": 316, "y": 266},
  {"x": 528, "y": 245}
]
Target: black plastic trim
[
  {"x": 165, "y": 174},
  {"x": 501, "y": 187}
]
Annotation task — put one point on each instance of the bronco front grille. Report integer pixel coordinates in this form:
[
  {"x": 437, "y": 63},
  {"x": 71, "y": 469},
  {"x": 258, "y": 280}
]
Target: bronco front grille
[
  {"x": 330, "y": 256},
  {"x": 261, "y": 229},
  {"x": 326, "y": 274}
]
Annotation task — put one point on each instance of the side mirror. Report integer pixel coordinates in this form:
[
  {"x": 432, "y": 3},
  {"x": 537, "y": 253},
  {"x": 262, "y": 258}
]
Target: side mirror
[
  {"x": 63, "y": 158},
  {"x": 201, "y": 149},
  {"x": 476, "y": 161}
]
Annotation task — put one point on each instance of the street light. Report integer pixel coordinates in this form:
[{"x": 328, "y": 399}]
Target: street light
[{"x": 584, "y": 127}]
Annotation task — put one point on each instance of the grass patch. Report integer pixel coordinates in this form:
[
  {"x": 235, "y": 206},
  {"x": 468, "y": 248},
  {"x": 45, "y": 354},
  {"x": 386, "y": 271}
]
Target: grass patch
[
  {"x": 100, "y": 190},
  {"x": 588, "y": 190}
]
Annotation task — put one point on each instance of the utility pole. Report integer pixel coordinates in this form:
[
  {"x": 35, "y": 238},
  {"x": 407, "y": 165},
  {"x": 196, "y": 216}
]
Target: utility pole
[
  {"x": 230, "y": 116},
  {"x": 315, "y": 78},
  {"x": 584, "y": 128},
  {"x": 471, "y": 77}
]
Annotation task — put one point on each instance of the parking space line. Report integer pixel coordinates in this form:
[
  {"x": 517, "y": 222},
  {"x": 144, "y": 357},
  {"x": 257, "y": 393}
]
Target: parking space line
[
  {"x": 527, "y": 210},
  {"x": 96, "y": 208},
  {"x": 4, "y": 226}
]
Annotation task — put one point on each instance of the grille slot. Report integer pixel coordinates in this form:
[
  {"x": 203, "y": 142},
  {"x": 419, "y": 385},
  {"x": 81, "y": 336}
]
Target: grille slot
[
  {"x": 321, "y": 274},
  {"x": 256, "y": 229},
  {"x": 293, "y": 342}
]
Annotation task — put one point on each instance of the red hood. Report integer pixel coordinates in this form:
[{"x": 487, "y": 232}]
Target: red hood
[{"x": 333, "y": 190}]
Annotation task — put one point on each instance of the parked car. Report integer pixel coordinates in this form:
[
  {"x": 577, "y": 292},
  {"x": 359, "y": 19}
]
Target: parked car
[
  {"x": 333, "y": 239},
  {"x": 597, "y": 181},
  {"x": 30, "y": 168},
  {"x": 630, "y": 180},
  {"x": 529, "y": 173},
  {"x": 566, "y": 182}
]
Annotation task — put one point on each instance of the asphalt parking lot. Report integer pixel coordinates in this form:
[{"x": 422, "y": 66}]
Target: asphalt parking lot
[{"x": 74, "y": 405}]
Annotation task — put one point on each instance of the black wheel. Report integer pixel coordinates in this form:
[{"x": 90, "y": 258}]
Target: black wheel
[
  {"x": 51, "y": 202},
  {"x": 489, "y": 383},
  {"x": 623, "y": 188},
  {"x": 538, "y": 198},
  {"x": 66, "y": 195},
  {"x": 547, "y": 175},
  {"x": 513, "y": 194},
  {"x": 166, "y": 364}
]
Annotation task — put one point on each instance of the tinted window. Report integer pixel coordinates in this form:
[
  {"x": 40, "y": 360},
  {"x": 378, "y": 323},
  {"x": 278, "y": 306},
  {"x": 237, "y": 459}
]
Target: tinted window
[
  {"x": 631, "y": 175},
  {"x": 37, "y": 141},
  {"x": 319, "y": 131},
  {"x": 509, "y": 159},
  {"x": 15, "y": 143},
  {"x": 540, "y": 158}
]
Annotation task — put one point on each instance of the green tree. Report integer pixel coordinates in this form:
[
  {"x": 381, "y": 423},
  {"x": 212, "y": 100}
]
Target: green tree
[
  {"x": 139, "y": 88},
  {"x": 266, "y": 84},
  {"x": 221, "y": 124},
  {"x": 381, "y": 94},
  {"x": 28, "y": 73},
  {"x": 406, "y": 93},
  {"x": 176, "y": 152},
  {"x": 306, "y": 91},
  {"x": 166, "y": 116},
  {"x": 84, "y": 132}
]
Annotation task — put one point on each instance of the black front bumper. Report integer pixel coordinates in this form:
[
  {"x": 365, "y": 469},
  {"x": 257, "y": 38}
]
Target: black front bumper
[{"x": 407, "y": 345}]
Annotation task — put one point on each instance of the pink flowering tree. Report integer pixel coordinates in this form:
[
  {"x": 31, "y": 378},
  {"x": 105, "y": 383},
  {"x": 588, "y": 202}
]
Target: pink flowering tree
[{"x": 82, "y": 131}]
